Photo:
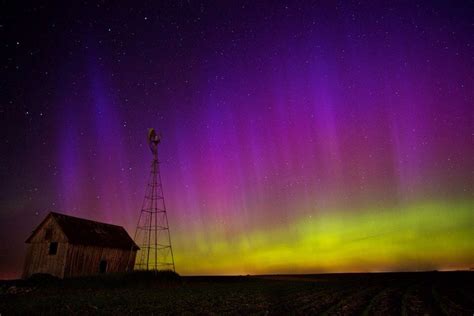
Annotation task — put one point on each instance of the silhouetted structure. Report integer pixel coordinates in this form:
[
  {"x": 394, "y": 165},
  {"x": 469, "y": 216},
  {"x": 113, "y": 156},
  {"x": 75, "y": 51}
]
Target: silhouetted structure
[
  {"x": 152, "y": 233},
  {"x": 66, "y": 246}
]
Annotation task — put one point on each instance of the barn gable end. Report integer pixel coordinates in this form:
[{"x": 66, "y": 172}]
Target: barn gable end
[{"x": 47, "y": 249}]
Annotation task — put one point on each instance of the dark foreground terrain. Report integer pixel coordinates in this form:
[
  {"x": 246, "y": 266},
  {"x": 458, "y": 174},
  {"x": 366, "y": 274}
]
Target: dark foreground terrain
[{"x": 428, "y": 293}]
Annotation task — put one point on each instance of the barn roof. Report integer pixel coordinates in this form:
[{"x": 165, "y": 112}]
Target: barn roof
[{"x": 82, "y": 231}]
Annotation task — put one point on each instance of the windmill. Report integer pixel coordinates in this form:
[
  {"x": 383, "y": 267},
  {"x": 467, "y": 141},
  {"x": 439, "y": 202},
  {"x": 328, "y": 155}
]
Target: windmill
[{"x": 152, "y": 234}]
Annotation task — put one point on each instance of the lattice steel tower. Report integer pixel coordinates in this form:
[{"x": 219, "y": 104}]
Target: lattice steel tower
[{"x": 152, "y": 234}]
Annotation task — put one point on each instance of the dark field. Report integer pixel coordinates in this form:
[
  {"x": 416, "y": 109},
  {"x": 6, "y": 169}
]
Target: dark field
[{"x": 429, "y": 293}]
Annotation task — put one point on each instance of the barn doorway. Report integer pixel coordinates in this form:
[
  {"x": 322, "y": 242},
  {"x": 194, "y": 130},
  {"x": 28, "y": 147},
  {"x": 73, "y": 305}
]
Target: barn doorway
[{"x": 103, "y": 266}]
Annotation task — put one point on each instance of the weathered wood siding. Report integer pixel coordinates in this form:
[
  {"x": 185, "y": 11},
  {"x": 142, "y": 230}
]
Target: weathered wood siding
[
  {"x": 38, "y": 259},
  {"x": 85, "y": 260}
]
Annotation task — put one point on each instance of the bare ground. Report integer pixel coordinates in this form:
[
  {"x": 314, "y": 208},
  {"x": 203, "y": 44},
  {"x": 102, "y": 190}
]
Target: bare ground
[{"x": 429, "y": 293}]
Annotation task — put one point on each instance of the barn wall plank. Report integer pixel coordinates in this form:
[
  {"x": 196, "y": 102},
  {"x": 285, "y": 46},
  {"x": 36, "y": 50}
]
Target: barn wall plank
[{"x": 85, "y": 260}]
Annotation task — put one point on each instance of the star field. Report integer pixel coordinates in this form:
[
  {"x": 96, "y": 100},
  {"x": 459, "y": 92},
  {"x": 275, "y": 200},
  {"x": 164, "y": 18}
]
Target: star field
[{"x": 297, "y": 137}]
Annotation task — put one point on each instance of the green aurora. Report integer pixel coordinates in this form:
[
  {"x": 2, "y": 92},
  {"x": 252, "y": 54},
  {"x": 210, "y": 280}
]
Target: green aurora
[{"x": 426, "y": 235}]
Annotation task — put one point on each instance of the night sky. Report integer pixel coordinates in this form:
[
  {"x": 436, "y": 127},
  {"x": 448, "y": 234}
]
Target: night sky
[{"x": 297, "y": 137}]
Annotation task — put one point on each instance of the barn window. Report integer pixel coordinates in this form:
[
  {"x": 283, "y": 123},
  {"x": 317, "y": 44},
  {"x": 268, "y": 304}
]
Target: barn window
[
  {"x": 48, "y": 234},
  {"x": 103, "y": 266},
  {"x": 53, "y": 248}
]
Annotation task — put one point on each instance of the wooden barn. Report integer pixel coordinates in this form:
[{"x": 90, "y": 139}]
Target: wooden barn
[{"x": 66, "y": 246}]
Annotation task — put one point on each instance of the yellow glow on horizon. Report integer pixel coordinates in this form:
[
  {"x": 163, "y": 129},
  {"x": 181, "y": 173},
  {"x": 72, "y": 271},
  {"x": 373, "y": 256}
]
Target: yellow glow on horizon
[{"x": 425, "y": 235}]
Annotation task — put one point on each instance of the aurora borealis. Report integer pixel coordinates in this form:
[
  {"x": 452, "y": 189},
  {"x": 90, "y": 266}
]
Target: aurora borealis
[{"x": 297, "y": 137}]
